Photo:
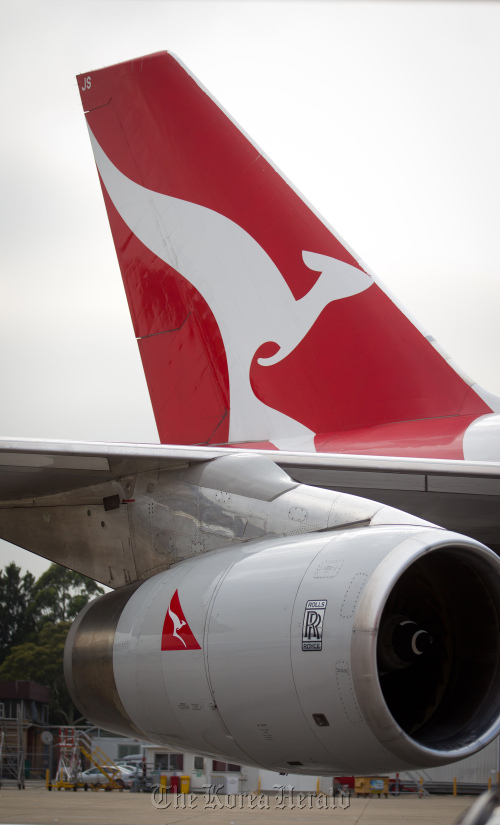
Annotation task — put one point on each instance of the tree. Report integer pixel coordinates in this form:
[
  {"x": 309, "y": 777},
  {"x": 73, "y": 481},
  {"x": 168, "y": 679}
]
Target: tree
[
  {"x": 16, "y": 620},
  {"x": 60, "y": 594},
  {"x": 42, "y": 661},
  {"x": 35, "y": 617}
]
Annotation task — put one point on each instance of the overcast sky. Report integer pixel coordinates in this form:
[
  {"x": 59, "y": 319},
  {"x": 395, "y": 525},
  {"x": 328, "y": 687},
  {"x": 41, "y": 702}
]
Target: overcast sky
[{"x": 384, "y": 114}]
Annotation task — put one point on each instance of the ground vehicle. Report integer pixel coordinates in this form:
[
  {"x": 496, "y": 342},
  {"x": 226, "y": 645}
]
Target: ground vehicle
[
  {"x": 139, "y": 770},
  {"x": 117, "y": 773}
]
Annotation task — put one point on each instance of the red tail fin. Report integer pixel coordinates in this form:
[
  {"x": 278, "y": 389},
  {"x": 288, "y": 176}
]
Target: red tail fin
[{"x": 255, "y": 321}]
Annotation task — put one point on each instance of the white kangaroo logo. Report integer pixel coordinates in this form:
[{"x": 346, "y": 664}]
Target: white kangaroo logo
[
  {"x": 246, "y": 292},
  {"x": 177, "y": 623}
]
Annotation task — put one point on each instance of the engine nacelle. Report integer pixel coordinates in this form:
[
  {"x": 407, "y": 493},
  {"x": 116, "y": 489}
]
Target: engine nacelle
[{"x": 363, "y": 650}]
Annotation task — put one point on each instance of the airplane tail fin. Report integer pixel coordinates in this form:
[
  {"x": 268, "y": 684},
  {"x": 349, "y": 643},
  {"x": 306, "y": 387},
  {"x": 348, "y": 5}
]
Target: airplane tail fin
[{"x": 255, "y": 321}]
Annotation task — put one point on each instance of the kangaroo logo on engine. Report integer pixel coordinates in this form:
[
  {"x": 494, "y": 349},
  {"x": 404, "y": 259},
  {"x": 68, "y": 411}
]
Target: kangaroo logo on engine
[
  {"x": 177, "y": 635},
  {"x": 312, "y": 628}
]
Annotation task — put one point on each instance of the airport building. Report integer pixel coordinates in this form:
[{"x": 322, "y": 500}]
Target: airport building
[{"x": 24, "y": 707}]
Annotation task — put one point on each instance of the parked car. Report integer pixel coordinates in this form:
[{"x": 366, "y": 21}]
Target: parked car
[
  {"x": 123, "y": 776},
  {"x": 136, "y": 765}
]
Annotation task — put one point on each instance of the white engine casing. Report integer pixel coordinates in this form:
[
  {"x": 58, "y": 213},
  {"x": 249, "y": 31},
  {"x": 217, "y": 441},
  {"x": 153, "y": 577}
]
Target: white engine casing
[{"x": 250, "y": 693}]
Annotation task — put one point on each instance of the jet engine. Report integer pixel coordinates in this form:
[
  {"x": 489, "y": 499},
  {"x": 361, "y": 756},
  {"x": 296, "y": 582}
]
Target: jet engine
[{"x": 361, "y": 650}]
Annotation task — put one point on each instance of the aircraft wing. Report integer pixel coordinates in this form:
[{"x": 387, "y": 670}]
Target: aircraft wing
[{"x": 85, "y": 495}]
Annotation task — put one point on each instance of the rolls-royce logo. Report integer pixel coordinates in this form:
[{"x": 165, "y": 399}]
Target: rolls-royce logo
[{"x": 312, "y": 627}]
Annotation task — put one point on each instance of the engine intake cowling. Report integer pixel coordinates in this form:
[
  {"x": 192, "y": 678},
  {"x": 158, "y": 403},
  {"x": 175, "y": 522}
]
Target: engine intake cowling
[{"x": 364, "y": 650}]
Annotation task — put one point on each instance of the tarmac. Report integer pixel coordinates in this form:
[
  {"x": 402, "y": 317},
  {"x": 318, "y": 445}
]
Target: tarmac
[{"x": 37, "y": 806}]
